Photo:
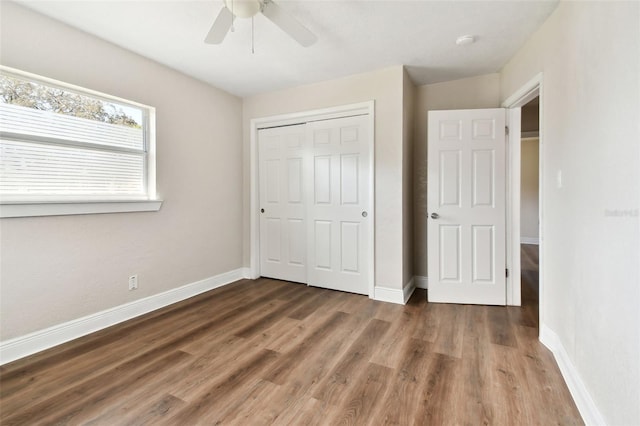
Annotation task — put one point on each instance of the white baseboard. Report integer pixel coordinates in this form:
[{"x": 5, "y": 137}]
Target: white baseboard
[
  {"x": 386, "y": 294},
  {"x": 588, "y": 409},
  {"x": 530, "y": 240},
  {"x": 408, "y": 290},
  {"x": 421, "y": 282},
  {"x": 246, "y": 274},
  {"x": 395, "y": 295},
  {"x": 29, "y": 344}
]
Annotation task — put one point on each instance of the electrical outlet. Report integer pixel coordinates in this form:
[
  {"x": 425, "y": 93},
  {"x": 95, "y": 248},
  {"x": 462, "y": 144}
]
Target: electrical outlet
[{"x": 133, "y": 282}]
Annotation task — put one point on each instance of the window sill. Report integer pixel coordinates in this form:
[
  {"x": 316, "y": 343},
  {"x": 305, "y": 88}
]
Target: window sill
[{"x": 31, "y": 209}]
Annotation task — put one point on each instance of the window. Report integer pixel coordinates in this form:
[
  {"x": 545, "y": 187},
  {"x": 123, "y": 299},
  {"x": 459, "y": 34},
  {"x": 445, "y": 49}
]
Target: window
[{"x": 68, "y": 145}]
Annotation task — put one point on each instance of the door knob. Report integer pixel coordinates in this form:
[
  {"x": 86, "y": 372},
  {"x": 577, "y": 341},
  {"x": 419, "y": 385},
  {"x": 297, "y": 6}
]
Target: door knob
[
  {"x": 434, "y": 215},
  {"x": 364, "y": 214},
  {"x": 261, "y": 210}
]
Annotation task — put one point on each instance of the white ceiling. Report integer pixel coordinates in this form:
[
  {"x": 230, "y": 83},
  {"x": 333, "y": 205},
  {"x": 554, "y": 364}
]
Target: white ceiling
[{"x": 354, "y": 36}]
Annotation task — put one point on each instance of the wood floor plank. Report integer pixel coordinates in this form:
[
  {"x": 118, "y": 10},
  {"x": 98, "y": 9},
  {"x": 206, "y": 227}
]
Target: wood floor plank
[
  {"x": 427, "y": 322},
  {"x": 511, "y": 387},
  {"x": 208, "y": 367},
  {"x": 272, "y": 352},
  {"x": 404, "y": 390},
  {"x": 255, "y": 407},
  {"x": 368, "y": 390},
  {"x": 68, "y": 404},
  {"x": 296, "y": 334},
  {"x": 152, "y": 413},
  {"x": 258, "y": 323},
  {"x": 475, "y": 373},
  {"x": 311, "y": 412},
  {"x": 357, "y": 356},
  {"x": 310, "y": 305},
  {"x": 390, "y": 349},
  {"x": 309, "y": 373},
  {"x": 500, "y": 328},
  {"x": 210, "y": 405},
  {"x": 436, "y": 390},
  {"x": 545, "y": 378},
  {"x": 139, "y": 411},
  {"x": 127, "y": 339},
  {"x": 278, "y": 374},
  {"x": 451, "y": 320}
]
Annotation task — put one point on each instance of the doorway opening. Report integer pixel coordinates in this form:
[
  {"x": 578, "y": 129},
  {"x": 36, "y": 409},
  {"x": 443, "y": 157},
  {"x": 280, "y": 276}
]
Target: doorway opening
[
  {"x": 525, "y": 115},
  {"x": 529, "y": 206}
]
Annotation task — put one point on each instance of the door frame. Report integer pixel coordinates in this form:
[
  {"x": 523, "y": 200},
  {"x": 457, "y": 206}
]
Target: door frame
[
  {"x": 514, "y": 103},
  {"x": 342, "y": 111}
]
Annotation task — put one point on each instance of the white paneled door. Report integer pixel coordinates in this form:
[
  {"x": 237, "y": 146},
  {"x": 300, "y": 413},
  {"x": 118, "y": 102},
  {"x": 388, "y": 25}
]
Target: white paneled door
[
  {"x": 314, "y": 200},
  {"x": 466, "y": 206},
  {"x": 282, "y": 203},
  {"x": 338, "y": 189}
]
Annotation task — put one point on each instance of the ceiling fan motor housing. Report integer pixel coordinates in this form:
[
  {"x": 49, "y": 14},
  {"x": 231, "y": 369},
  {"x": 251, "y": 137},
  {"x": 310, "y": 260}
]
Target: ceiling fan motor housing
[{"x": 243, "y": 8}]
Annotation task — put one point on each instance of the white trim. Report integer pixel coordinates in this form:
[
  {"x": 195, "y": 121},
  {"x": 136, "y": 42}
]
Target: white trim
[
  {"x": 29, "y": 344},
  {"x": 340, "y": 111},
  {"x": 513, "y": 103},
  {"x": 408, "y": 290},
  {"x": 246, "y": 273},
  {"x": 395, "y": 295},
  {"x": 530, "y": 135},
  {"x": 421, "y": 282},
  {"x": 587, "y": 407},
  {"x": 526, "y": 93},
  {"x": 514, "y": 296},
  {"x": 362, "y": 108},
  {"x": 391, "y": 295},
  {"x": 73, "y": 208},
  {"x": 530, "y": 240}
]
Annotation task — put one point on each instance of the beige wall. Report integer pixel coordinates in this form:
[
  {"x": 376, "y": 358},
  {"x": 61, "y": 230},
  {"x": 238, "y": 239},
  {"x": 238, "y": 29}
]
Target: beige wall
[
  {"x": 468, "y": 93},
  {"x": 55, "y": 269},
  {"x": 408, "y": 112},
  {"x": 529, "y": 176},
  {"x": 589, "y": 53},
  {"x": 385, "y": 87}
]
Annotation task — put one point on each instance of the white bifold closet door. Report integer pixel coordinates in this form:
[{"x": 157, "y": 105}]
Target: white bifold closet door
[
  {"x": 314, "y": 189},
  {"x": 281, "y": 152},
  {"x": 338, "y": 188}
]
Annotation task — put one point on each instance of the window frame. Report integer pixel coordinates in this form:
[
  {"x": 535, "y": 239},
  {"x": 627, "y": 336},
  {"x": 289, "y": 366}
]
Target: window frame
[{"x": 54, "y": 204}]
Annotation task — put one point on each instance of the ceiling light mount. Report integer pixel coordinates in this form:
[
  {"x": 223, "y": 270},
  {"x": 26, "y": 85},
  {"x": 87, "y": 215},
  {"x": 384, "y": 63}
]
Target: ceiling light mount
[
  {"x": 243, "y": 8},
  {"x": 465, "y": 40}
]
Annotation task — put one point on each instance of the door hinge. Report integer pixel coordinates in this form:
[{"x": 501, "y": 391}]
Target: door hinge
[
  {"x": 506, "y": 273},
  {"x": 506, "y": 130}
]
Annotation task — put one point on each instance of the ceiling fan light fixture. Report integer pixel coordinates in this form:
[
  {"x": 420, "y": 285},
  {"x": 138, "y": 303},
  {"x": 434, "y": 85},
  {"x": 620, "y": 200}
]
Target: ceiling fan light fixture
[
  {"x": 243, "y": 8},
  {"x": 248, "y": 9}
]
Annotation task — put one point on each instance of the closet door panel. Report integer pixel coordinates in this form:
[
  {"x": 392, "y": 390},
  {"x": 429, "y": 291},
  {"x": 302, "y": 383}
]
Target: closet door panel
[
  {"x": 283, "y": 222},
  {"x": 337, "y": 209}
]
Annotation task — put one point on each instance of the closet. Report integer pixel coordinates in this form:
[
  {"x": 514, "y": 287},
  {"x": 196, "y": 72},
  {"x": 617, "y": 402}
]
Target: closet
[{"x": 314, "y": 184}]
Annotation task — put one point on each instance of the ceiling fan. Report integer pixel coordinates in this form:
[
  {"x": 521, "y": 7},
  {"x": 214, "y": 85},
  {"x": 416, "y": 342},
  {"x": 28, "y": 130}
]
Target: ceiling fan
[{"x": 248, "y": 9}]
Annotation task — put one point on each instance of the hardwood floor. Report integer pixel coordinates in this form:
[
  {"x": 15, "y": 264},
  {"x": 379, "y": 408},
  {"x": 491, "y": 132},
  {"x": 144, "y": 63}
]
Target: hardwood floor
[{"x": 272, "y": 352}]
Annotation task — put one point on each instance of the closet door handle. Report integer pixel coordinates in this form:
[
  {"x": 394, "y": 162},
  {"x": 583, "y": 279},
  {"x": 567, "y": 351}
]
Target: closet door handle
[
  {"x": 435, "y": 215},
  {"x": 364, "y": 214}
]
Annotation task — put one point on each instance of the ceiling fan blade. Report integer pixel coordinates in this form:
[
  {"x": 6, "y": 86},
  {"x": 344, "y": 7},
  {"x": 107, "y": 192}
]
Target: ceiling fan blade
[
  {"x": 220, "y": 27},
  {"x": 288, "y": 24}
]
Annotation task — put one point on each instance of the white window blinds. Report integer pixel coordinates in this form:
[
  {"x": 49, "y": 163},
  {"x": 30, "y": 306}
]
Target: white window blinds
[{"x": 62, "y": 145}]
